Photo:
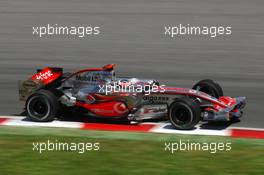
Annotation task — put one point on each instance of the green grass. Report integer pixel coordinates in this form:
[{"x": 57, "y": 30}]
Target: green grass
[{"x": 123, "y": 153}]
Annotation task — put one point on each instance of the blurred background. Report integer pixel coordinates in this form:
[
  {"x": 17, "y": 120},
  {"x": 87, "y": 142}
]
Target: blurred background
[{"x": 132, "y": 36}]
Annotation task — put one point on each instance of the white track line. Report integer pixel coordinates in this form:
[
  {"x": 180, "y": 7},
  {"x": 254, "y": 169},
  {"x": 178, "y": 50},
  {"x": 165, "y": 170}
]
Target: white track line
[
  {"x": 167, "y": 128},
  {"x": 246, "y": 128},
  {"x": 161, "y": 127},
  {"x": 20, "y": 121},
  {"x": 12, "y": 117}
]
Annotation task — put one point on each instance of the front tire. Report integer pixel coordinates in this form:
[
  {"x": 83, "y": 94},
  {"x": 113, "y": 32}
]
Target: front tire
[
  {"x": 209, "y": 87},
  {"x": 42, "y": 106},
  {"x": 184, "y": 113}
]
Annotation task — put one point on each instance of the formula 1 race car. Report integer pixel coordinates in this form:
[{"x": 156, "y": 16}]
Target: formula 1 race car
[{"x": 98, "y": 92}]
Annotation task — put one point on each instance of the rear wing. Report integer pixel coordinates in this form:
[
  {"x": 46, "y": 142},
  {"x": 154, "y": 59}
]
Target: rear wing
[{"x": 42, "y": 78}]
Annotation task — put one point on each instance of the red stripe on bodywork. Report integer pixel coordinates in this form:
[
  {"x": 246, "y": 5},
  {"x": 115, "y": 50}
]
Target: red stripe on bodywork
[
  {"x": 116, "y": 127},
  {"x": 2, "y": 120},
  {"x": 246, "y": 133},
  {"x": 183, "y": 91}
]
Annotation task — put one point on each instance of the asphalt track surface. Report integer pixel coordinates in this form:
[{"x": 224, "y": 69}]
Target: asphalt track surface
[{"x": 132, "y": 37}]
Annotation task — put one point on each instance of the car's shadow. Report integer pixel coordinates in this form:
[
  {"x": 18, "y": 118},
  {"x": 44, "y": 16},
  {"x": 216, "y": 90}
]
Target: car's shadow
[
  {"x": 91, "y": 119},
  {"x": 218, "y": 125},
  {"x": 209, "y": 125},
  {"x": 83, "y": 118}
]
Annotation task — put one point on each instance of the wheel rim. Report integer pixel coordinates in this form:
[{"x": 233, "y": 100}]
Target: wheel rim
[
  {"x": 182, "y": 116},
  {"x": 38, "y": 107}
]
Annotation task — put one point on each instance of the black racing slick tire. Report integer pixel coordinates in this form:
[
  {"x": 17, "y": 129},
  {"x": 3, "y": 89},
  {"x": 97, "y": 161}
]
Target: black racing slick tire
[
  {"x": 209, "y": 87},
  {"x": 42, "y": 106},
  {"x": 184, "y": 113}
]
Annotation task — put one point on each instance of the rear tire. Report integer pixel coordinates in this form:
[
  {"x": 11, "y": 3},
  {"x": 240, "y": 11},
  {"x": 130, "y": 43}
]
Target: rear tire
[
  {"x": 184, "y": 113},
  {"x": 209, "y": 87},
  {"x": 42, "y": 106}
]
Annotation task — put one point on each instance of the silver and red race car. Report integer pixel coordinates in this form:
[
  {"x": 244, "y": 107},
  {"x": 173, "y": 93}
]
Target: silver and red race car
[{"x": 98, "y": 92}]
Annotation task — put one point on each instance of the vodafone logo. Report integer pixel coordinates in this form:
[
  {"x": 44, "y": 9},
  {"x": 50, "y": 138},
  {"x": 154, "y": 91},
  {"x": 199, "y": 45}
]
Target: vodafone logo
[
  {"x": 44, "y": 76},
  {"x": 120, "y": 108}
]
